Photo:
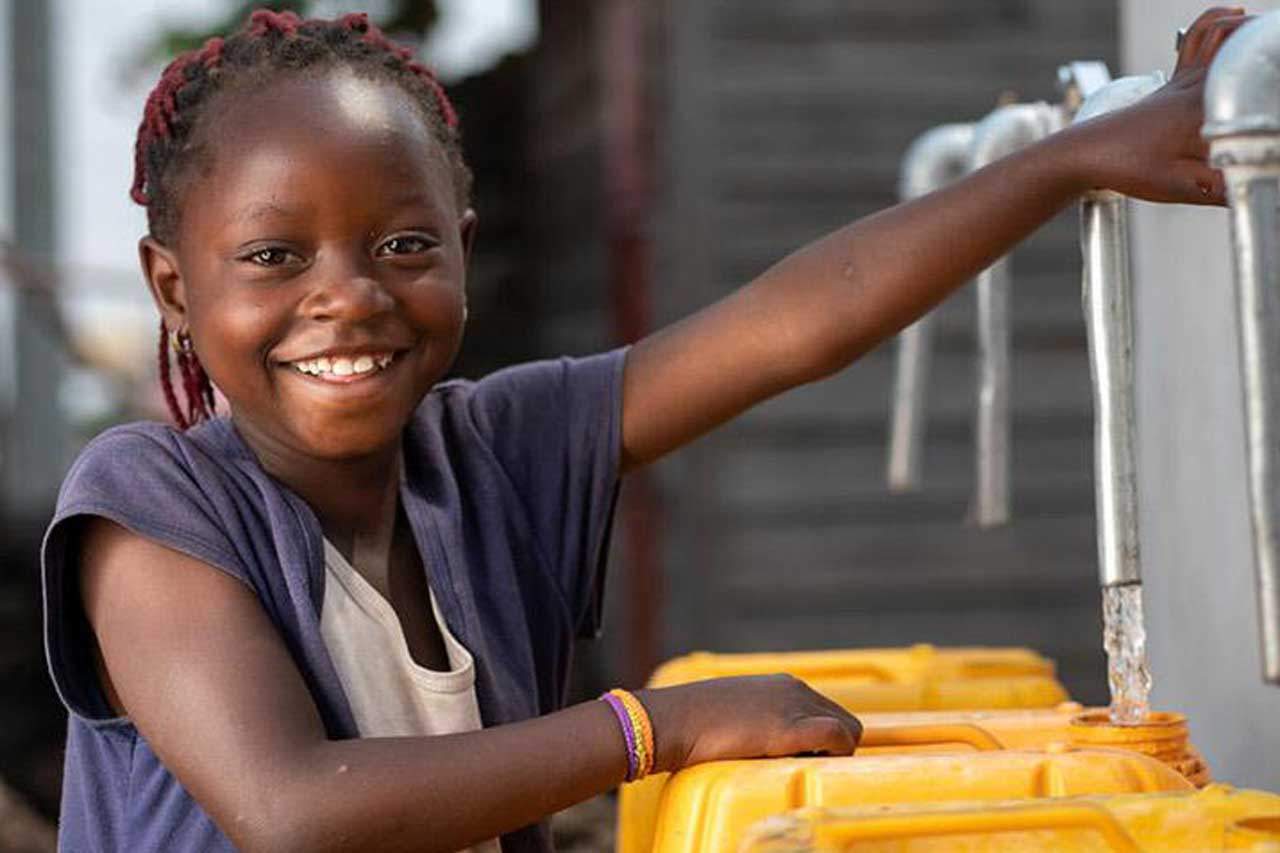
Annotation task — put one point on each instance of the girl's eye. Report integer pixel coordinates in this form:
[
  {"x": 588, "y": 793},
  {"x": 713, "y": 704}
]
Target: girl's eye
[
  {"x": 408, "y": 244},
  {"x": 269, "y": 257}
]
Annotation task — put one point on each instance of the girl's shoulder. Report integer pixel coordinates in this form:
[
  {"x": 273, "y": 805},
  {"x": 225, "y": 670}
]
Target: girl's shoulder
[
  {"x": 145, "y": 454},
  {"x": 198, "y": 491}
]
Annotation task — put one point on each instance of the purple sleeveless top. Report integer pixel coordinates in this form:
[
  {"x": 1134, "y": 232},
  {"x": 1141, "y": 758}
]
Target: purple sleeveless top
[{"x": 509, "y": 487}]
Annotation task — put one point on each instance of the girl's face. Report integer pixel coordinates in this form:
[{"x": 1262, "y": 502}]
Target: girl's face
[{"x": 320, "y": 263}]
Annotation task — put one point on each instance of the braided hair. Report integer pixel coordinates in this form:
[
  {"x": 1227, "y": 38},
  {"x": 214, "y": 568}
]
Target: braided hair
[{"x": 268, "y": 44}]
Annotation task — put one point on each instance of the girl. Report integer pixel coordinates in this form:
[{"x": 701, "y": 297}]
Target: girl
[{"x": 341, "y": 617}]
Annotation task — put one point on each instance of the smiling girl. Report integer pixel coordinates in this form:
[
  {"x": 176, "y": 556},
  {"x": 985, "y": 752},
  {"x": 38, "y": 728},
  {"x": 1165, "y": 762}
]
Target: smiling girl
[{"x": 341, "y": 616}]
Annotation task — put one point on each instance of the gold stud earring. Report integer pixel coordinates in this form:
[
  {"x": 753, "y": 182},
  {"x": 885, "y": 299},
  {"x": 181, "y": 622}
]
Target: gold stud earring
[{"x": 180, "y": 341}]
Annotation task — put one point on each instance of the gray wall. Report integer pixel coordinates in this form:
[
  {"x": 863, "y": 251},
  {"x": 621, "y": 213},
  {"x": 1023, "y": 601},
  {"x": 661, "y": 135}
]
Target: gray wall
[
  {"x": 783, "y": 121},
  {"x": 1201, "y": 611}
]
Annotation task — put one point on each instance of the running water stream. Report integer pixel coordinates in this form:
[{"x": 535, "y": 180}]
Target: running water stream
[{"x": 1125, "y": 639}]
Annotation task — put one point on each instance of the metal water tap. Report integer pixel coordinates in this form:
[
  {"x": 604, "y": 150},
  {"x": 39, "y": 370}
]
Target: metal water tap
[
  {"x": 936, "y": 158},
  {"x": 1242, "y": 125},
  {"x": 1002, "y": 132},
  {"x": 1107, "y": 290}
]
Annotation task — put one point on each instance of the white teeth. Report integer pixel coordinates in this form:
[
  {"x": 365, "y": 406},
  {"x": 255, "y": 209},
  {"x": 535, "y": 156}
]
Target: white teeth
[{"x": 344, "y": 365}]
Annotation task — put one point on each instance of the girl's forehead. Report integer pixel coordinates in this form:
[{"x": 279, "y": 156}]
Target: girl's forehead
[
  {"x": 360, "y": 128},
  {"x": 361, "y": 101},
  {"x": 350, "y": 149},
  {"x": 335, "y": 106}
]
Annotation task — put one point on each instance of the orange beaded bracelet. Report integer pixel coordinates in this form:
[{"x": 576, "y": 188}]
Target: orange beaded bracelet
[{"x": 637, "y": 731}]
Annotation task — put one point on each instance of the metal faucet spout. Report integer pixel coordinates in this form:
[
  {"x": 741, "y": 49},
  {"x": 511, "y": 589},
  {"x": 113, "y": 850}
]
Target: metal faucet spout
[
  {"x": 1001, "y": 133},
  {"x": 1108, "y": 310},
  {"x": 936, "y": 158},
  {"x": 1242, "y": 112}
]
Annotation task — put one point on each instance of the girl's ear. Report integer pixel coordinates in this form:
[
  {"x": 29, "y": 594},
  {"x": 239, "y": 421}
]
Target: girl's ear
[
  {"x": 160, "y": 266},
  {"x": 467, "y": 231}
]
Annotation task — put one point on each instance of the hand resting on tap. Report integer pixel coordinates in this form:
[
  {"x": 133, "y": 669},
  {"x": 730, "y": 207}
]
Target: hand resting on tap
[{"x": 1153, "y": 150}]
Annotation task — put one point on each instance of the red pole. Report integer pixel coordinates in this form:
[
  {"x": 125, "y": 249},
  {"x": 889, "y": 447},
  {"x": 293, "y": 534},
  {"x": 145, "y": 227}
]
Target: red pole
[{"x": 627, "y": 209}]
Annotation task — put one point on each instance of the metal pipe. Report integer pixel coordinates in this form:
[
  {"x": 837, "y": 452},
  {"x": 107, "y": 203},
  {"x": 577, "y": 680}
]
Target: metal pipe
[
  {"x": 1001, "y": 133},
  {"x": 1242, "y": 111},
  {"x": 1107, "y": 289},
  {"x": 936, "y": 158}
]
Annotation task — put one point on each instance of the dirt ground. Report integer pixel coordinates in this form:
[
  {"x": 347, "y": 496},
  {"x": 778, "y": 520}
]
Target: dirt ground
[{"x": 587, "y": 827}]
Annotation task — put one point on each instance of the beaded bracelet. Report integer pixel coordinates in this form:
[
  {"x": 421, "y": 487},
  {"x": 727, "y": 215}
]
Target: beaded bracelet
[
  {"x": 640, "y": 718},
  {"x": 637, "y": 731}
]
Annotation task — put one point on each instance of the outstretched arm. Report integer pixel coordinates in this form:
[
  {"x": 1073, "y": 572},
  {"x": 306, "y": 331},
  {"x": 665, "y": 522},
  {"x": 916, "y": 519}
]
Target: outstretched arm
[{"x": 818, "y": 310}]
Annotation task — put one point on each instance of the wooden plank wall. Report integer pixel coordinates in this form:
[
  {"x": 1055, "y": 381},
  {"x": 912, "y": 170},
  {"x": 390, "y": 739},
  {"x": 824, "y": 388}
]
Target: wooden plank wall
[
  {"x": 777, "y": 122},
  {"x": 566, "y": 161}
]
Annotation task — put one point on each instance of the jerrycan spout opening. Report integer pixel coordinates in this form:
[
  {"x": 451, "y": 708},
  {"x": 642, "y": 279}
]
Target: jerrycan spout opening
[{"x": 1162, "y": 735}]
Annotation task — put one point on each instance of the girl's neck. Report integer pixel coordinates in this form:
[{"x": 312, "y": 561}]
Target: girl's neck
[{"x": 353, "y": 498}]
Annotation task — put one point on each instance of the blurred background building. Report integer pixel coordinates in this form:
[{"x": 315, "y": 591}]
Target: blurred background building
[{"x": 634, "y": 162}]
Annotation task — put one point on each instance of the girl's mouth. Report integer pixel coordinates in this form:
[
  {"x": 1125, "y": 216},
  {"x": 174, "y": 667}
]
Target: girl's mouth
[{"x": 342, "y": 369}]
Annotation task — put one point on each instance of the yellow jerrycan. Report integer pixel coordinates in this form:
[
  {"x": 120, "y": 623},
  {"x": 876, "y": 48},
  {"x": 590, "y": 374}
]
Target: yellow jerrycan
[
  {"x": 710, "y": 807},
  {"x": 912, "y": 678},
  {"x": 1218, "y": 817},
  {"x": 915, "y": 678},
  {"x": 1164, "y": 736}
]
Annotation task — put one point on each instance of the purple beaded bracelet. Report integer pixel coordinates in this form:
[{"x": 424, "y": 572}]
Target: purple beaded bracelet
[{"x": 624, "y": 720}]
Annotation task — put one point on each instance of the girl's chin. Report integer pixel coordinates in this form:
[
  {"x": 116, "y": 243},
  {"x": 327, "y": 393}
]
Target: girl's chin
[{"x": 333, "y": 433}]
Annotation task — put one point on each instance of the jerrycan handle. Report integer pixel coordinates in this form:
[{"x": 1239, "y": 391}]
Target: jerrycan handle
[
  {"x": 1019, "y": 817},
  {"x": 931, "y": 735},
  {"x": 846, "y": 672}
]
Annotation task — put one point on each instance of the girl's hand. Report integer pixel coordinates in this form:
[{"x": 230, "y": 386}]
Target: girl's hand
[
  {"x": 1153, "y": 150},
  {"x": 747, "y": 717}
]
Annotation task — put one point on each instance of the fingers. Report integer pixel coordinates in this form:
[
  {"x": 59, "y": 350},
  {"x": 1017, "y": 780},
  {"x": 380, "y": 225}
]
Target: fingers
[
  {"x": 1206, "y": 35},
  {"x": 1218, "y": 32},
  {"x": 852, "y": 723},
  {"x": 829, "y": 720},
  {"x": 819, "y": 736},
  {"x": 1194, "y": 34},
  {"x": 1200, "y": 184}
]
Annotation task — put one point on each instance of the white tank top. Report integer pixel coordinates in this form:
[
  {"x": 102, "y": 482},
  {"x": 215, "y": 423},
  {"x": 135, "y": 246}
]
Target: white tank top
[{"x": 390, "y": 695}]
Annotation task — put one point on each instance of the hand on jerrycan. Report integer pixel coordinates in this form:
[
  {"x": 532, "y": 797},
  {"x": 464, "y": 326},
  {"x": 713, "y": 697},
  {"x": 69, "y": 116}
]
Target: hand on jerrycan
[
  {"x": 757, "y": 716},
  {"x": 1153, "y": 150}
]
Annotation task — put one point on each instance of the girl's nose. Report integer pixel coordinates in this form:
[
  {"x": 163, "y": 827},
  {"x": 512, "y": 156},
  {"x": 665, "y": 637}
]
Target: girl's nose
[{"x": 346, "y": 293}]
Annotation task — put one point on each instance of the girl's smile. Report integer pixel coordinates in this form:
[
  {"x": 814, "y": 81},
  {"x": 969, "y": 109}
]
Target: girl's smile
[{"x": 320, "y": 262}]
